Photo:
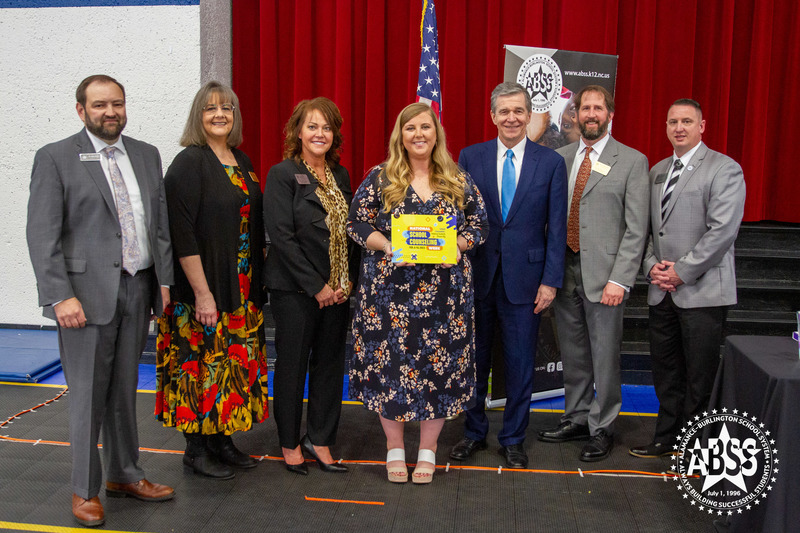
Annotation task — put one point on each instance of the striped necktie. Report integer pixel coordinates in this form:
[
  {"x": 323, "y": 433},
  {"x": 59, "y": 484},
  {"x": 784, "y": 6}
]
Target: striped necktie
[{"x": 673, "y": 180}]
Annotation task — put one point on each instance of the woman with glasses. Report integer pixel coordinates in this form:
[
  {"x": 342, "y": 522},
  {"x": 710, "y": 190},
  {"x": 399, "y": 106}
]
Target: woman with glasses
[
  {"x": 211, "y": 364},
  {"x": 310, "y": 271}
]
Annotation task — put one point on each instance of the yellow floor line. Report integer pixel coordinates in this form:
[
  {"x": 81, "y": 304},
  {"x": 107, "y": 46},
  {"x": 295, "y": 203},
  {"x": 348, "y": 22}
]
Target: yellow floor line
[{"x": 48, "y": 529}]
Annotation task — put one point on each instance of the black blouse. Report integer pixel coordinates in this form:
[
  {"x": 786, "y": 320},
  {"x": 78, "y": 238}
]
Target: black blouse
[{"x": 203, "y": 207}]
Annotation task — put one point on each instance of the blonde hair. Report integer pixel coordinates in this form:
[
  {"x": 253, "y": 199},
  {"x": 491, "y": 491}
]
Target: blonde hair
[{"x": 445, "y": 176}]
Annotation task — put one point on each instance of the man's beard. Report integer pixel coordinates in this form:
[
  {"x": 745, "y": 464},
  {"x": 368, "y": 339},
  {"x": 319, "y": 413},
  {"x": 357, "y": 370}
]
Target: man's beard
[
  {"x": 107, "y": 133},
  {"x": 591, "y": 135}
]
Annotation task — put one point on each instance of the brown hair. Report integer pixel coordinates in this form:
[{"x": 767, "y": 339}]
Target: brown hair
[
  {"x": 194, "y": 134},
  {"x": 293, "y": 147},
  {"x": 609, "y": 99},
  {"x": 80, "y": 93}
]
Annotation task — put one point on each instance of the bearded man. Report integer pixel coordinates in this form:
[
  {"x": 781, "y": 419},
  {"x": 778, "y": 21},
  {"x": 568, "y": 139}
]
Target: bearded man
[{"x": 609, "y": 198}]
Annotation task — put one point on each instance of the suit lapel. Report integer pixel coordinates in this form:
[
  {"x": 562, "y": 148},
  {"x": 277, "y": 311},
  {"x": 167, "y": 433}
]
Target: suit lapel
[
  {"x": 309, "y": 191},
  {"x": 608, "y": 157},
  {"x": 526, "y": 176},
  {"x": 492, "y": 196},
  {"x": 83, "y": 146}
]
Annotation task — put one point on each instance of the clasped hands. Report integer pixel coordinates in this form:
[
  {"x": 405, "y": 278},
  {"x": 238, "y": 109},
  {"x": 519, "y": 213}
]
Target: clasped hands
[
  {"x": 327, "y": 296},
  {"x": 663, "y": 276}
]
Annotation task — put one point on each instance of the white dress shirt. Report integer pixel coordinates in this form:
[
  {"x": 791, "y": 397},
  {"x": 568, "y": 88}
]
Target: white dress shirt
[{"x": 134, "y": 193}]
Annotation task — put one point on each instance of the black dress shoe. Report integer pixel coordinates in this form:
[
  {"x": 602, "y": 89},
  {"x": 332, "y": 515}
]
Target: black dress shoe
[
  {"x": 515, "y": 456},
  {"x": 301, "y": 469},
  {"x": 222, "y": 447},
  {"x": 466, "y": 447},
  {"x": 207, "y": 465},
  {"x": 305, "y": 443},
  {"x": 598, "y": 447},
  {"x": 652, "y": 450},
  {"x": 565, "y": 431}
]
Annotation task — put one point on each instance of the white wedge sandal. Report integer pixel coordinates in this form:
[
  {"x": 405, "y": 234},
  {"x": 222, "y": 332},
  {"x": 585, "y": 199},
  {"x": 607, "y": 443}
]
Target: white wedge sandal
[{"x": 396, "y": 474}]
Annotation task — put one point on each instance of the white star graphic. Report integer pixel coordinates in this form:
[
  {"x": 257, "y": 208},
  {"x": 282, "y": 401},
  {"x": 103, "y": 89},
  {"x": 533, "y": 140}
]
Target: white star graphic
[
  {"x": 428, "y": 81},
  {"x": 435, "y": 92},
  {"x": 426, "y": 48},
  {"x": 723, "y": 442},
  {"x": 422, "y": 68},
  {"x": 429, "y": 28}
]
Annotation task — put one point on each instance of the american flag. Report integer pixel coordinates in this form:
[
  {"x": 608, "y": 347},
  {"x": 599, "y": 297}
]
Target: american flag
[{"x": 428, "y": 88}]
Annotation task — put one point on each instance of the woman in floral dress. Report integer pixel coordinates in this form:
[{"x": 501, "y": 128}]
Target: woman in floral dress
[
  {"x": 211, "y": 367},
  {"x": 414, "y": 348}
]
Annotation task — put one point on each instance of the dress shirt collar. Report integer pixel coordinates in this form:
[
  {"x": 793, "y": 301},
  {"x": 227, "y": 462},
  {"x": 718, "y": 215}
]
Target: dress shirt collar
[
  {"x": 685, "y": 158},
  {"x": 99, "y": 143},
  {"x": 598, "y": 147},
  {"x": 518, "y": 149}
]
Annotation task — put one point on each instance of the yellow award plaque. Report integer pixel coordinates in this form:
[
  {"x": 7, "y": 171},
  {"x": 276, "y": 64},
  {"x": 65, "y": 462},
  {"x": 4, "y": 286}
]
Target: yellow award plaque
[{"x": 424, "y": 239}]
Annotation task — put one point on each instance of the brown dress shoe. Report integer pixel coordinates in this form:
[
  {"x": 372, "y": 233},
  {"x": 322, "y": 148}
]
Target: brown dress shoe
[
  {"x": 141, "y": 490},
  {"x": 88, "y": 513}
]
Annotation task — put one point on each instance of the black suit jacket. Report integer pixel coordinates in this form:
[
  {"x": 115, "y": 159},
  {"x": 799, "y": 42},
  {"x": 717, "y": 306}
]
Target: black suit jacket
[{"x": 298, "y": 258}]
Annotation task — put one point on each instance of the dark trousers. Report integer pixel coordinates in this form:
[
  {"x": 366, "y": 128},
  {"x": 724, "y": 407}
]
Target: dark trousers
[
  {"x": 101, "y": 366},
  {"x": 684, "y": 347},
  {"x": 519, "y": 328},
  {"x": 307, "y": 337}
]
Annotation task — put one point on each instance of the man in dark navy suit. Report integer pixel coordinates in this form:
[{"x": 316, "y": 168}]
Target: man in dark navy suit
[{"x": 519, "y": 268}]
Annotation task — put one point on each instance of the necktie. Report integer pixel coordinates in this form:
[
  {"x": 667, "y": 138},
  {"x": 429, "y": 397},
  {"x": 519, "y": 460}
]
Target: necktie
[
  {"x": 676, "y": 172},
  {"x": 574, "y": 222},
  {"x": 131, "y": 256},
  {"x": 509, "y": 183}
]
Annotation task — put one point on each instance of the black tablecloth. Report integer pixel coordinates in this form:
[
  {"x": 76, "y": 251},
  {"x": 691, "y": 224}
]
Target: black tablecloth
[{"x": 761, "y": 375}]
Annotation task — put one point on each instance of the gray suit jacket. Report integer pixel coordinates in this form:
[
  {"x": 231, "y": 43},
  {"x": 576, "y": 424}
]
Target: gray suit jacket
[
  {"x": 614, "y": 211},
  {"x": 73, "y": 232},
  {"x": 699, "y": 229}
]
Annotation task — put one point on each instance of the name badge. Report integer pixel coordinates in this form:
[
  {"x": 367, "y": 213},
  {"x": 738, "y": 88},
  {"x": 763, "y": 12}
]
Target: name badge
[
  {"x": 302, "y": 179},
  {"x": 253, "y": 176},
  {"x": 601, "y": 168},
  {"x": 89, "y": 157}
]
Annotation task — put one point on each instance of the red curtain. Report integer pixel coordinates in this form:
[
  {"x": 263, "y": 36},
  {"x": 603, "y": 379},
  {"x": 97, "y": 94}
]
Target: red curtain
[{"x": 734, "y": 56}]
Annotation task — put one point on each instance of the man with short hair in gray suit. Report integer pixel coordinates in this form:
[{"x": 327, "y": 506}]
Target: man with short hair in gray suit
[
  {"x": 609, "y": 197},
  {"x": 697, "y": 204},
  {"x": 99, "y": 242}
]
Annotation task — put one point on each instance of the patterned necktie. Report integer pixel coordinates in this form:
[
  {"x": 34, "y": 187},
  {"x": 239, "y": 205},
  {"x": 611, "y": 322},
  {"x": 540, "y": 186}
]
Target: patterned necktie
[
  {"x": 131, "y": 256},
  {"x": 509, "y": 183},
  {"x": 574, "y": 220},
  {"x": 676, "y": 172}
]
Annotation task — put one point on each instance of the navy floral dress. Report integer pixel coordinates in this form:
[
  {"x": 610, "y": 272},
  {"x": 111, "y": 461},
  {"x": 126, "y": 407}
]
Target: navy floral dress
[{"x": 414, "y": 347}]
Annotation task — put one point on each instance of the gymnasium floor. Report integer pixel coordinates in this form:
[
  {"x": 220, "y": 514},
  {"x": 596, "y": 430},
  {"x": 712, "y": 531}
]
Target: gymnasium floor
[{"x": 557, "y": 493}]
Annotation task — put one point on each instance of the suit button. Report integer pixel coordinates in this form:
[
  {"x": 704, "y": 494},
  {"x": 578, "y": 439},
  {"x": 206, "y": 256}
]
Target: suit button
[
  {"x": 660, "y": 233},
  {"x": 116, "y": 264},
  {"x": 119, "y": 235}
]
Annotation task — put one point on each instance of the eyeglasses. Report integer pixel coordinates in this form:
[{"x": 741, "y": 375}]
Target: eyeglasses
[{"x": 226, "y": 109}]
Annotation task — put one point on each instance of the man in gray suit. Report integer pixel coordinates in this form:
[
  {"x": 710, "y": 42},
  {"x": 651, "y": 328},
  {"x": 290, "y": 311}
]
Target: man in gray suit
[
  {"x": 606, "y": 230},
  {"x": 98, "y": 238},
  {"x": 696, "y": 207}
]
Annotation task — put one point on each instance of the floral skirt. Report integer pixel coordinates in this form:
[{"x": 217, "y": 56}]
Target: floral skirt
[{"x": 211, "y": 379}]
